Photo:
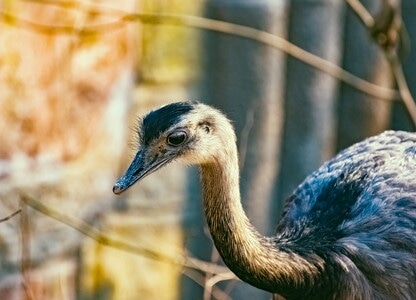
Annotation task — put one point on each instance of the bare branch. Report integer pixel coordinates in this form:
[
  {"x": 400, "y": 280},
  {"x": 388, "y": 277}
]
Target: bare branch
[
  {"x": 392, "y": 50},
  {"x": 25, "y": 261},
  {"x": 358, "y": 8},
  {"x": 215, "y": 292},
  {"x": 11, "y": 215},
  {"x": 113, "y": 242},
  {"x": 212, "y": 25},
  {"x": 211, "y": 282}
]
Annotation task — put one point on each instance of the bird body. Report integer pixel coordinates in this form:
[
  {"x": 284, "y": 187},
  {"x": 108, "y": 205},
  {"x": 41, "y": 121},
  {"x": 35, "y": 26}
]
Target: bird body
[
  {"x": 358, "y": 211},
  {"x": 347, "y": 232}
]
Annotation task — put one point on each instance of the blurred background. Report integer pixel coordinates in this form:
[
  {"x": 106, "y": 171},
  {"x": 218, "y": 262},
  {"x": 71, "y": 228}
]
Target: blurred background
[{"x": 76, "y": 75}]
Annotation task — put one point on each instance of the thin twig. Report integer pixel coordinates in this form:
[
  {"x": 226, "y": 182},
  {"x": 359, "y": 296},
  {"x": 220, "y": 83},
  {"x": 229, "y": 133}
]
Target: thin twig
[
  {"x": 359, "y": 9},
  {"x": 260, "y": 36},
  {"x": 25, "y": 263},
  {"x": 218, "y": 278},
  {"x": 113, "y": 242},
  {"x": 199, "y": 278},
  {"x": 250, "y": 33},
  {"x": 208, "y": 289},
  {"x": 392, "y": 57},
  {"x": 11, "y": 215}
]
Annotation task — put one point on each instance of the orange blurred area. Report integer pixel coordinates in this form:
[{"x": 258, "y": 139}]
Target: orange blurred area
[
  {"x": 55, "y": 86},
  {"x": 59, "y": 107},
  {"x": 68, "y": 107}
]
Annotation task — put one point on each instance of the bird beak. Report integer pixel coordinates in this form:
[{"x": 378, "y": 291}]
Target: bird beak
[{"x": 139, "y": 168}]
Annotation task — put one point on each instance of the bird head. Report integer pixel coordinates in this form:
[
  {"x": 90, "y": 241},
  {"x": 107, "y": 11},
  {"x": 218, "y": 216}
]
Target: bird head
[{"x": 191, "y": 132}]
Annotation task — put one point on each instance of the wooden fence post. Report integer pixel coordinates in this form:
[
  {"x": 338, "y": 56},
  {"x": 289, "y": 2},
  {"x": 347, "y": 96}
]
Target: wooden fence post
[
  {"x": 308, "y": 137},
  {"x": 400, "y": 119},
  {"x": 361, "y": 115}
]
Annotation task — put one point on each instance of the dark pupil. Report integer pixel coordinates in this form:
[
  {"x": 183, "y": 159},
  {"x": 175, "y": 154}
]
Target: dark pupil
[{"x": 175, "y": 139}]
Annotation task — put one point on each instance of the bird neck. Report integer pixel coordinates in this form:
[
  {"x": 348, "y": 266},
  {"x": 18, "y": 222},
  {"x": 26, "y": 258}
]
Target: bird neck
[{"x": 252, "y": 257}]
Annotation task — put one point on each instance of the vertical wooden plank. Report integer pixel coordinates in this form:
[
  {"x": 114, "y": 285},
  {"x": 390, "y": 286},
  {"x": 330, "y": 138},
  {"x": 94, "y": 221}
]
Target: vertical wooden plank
[
  {"x": 310, "y": 94},
  {"x": 246, "y": 80},
  {"x": 361, "y": 115},
  {"x": 400, "y": 119}
]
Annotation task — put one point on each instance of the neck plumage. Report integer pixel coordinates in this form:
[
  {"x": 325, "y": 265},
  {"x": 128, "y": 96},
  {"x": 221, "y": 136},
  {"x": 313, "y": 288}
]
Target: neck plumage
[{"x": 253, "y": 258}]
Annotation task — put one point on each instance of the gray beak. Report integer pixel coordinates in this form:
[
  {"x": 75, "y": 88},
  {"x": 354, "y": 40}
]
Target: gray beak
[{"x": 138, "y": 169}]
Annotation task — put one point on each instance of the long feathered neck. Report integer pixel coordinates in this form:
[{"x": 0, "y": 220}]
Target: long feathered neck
[{"x": 253, "y": 258}]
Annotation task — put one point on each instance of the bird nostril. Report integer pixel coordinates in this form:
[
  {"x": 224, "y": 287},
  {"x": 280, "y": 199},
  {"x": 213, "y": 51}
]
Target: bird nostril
[{"x": 138, "y": 171}]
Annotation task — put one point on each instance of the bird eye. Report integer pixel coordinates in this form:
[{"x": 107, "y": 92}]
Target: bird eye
[{"x": 177, "y": 138}]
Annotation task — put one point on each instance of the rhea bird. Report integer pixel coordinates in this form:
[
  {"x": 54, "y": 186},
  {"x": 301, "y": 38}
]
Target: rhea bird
[{"x": 347, "y": 232}]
